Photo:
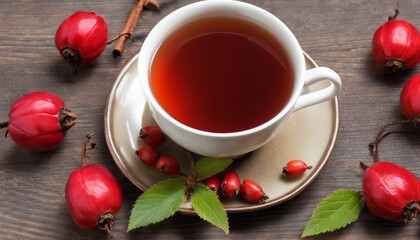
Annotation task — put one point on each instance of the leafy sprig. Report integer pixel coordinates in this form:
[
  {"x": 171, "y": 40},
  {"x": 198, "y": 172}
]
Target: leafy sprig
[{"x": 163, "y": 199}]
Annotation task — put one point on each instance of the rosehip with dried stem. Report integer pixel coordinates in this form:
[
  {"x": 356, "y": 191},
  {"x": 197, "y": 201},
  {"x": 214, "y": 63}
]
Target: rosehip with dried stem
[
  {"x": 81, "y": 38},
  {"x": 295, "y": 168},
  {"x": 213, "y": 183},
  {"x": 396, "y": 45},
  {"x": 168, "y": 164},
  {"x": 231, "y": 184},
  {"x": 410, "y": 108},
  {"x": 38, "y": 121},
  {"x": 93, "y": 195},
  {"x": 148, "y": 155},
  {"x": 391, "y": 191},
  {"x": 152, "y": 136},
  {"x": 252, "y": 192}
]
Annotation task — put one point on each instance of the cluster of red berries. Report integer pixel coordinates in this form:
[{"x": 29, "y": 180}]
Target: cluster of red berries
[
  {"x": 390, "y": 191},
  {"x": 154, "y": 137},
  {"x": 230, "y": 186}
]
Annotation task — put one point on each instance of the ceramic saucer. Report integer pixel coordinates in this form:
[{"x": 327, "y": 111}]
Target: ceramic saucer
[{"x": 309, "y": 135}]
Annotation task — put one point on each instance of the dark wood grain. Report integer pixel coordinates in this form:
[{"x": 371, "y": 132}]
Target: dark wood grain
[{"x": 336, "y": 34}]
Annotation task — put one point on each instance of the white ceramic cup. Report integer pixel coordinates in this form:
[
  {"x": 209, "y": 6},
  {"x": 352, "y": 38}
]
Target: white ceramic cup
[{"x": 235, "y": 143}]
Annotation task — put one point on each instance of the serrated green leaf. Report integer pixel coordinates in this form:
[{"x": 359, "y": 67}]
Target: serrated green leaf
[
  {"x": 336, "y": 211},
  {"x": 207, "y": 166},
  {"x": 208, "y": 206},
  {"x": 158, "y": 203}
]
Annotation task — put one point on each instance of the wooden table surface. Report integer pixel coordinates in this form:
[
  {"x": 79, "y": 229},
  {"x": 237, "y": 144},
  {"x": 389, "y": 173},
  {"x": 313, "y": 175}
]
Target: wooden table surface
[{"x": 336, "y": 34}]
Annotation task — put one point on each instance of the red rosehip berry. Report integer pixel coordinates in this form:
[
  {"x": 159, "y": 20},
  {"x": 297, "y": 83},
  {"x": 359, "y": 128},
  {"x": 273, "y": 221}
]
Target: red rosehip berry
[
  {"x": 410, "y": 97},
  {"x": 252, "y": 192},
  {"x": 295, "y": 168},
  {"x": 38, "y": 121},
  {"x": 93, "y": 195},
  {"x": 396, "y": 45},
  {"x": 213, "y": 183},
  {"x": 152, "y": 136},
  {"x": 148, "y": 155},
  {"x": 81, "y": 38},
  {"x": 168, "y": 165},
  {"x": 391, "y": 191},
  {"x": 231, "y": 184}
]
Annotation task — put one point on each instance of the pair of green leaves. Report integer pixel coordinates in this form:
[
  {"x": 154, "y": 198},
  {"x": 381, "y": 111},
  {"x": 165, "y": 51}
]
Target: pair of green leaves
[{"x": 163, "y": 199}]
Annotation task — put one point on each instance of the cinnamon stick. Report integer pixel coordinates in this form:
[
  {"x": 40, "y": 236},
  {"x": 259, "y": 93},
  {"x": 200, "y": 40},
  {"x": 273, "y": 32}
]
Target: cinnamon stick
[{"x": 131, "y": 23}]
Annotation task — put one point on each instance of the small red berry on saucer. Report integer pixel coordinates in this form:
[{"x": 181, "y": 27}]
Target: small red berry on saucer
[
  {"x": 152, "y": 136},
  {"x": 295, "y": 168},
  {"x": 231, "y": 184},
  {"x": 213, "y": 183},
  {"x": 168, "y": 165},
  {"x": 252, "y": 192},
  {"x": 148, "y": 155}
]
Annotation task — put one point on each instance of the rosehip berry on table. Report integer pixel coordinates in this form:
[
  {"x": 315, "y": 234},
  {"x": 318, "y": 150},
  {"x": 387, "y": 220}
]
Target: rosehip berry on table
[
  {"x": 38, "y": 121},
  {"x": 152, "y": 136},
  {"x": 252, "y": 192},
  {"x": 295, "y": 168},
  {"x": 93, "y": 195},
  {"x": 168, "y": 165},
  {"x": 391, "y": 191},
  {"x": 396, "y": 45},
  {"x": 213, "y": 183},
  {"x": 148, "y": 155},
  {"x": 231, "y": 184},
  {"x": 81, "y": 38},
  {"x": 410, "y": 97}
]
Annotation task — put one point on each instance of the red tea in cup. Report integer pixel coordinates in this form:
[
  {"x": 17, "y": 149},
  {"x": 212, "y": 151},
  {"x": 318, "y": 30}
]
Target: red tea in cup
[{"x": 221, "y": 74}]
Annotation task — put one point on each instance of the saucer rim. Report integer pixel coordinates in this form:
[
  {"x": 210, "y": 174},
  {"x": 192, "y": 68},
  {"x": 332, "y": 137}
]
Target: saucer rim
[{"x": 248, "y": 208}]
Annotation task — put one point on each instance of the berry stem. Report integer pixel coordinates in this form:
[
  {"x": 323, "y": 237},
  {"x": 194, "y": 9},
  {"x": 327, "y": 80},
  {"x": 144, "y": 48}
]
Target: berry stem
[
  {"x": 383, "y": 132},
  {"x": 397, "y": 11},
  {"x": 364, "y": 165},
  {"x": 191, "y": 161},
  {"x": 4, "y": 124},
  {"x": 84, "y": 148},
  {"x": 127, "y": 35}
]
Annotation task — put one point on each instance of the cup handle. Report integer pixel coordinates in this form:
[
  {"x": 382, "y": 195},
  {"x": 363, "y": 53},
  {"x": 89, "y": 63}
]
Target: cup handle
[{"x": 313, "y": 76}]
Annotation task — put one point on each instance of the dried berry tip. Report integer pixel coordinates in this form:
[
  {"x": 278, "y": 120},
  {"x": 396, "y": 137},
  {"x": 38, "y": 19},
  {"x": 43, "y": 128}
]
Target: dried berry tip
[
  {"x": 394, "y": 66},
  {"x": 106, "y": 221},
  {"x": 66, "y": 119},
  {"x": 410, "y": 211},
  {"x": 264, "y": 198},
  {"x": 72, "y": 56}
]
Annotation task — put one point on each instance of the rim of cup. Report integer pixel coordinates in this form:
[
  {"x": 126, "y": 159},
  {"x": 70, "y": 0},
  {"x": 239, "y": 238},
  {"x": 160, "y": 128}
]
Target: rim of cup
[{"x": 207, "y": 8}]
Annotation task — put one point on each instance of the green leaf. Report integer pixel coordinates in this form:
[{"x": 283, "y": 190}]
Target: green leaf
[
  {"x": 207, "y": 166},
  {"x": 336, "y": 211},
  {"x": 158, "y": 203},
  {"x": 208, "y": 206}
]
